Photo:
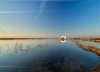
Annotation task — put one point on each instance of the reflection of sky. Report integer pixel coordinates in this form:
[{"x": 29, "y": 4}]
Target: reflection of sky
[
  {"x": 51, "y": 18},
  {"x": 10, "y": 46},
  {"x": 52, "y": 53},
  {"x": 93, "y": 44},
  {"x": 30, "y": 48}
]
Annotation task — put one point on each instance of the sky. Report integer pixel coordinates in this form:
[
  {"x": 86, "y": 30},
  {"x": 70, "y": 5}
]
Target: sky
[{"x": 49, "y": 18}]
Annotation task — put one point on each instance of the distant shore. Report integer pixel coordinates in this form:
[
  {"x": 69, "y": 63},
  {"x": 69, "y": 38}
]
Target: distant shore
[
  {"x": 87, "y": 39},
  {"x": 24, "y": 38},
  {"x": 83, "y": 39}
]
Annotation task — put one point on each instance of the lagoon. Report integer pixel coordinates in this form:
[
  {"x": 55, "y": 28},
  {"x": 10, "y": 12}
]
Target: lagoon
[{"x": 48, "y": 55}]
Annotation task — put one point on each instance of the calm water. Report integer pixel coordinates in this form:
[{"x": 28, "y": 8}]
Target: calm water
[{"x": 47, "y": 56}]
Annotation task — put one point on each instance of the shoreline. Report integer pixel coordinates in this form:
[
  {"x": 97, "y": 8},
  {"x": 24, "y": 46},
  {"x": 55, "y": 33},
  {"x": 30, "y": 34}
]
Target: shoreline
[{"x": 25, "y": 38}]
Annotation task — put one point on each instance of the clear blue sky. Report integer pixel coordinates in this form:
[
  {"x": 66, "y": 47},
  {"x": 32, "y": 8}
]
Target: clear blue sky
[{"x": 49, "y": 18}]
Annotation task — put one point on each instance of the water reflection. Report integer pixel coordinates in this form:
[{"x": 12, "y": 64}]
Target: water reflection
[
  {"x": 63, "y": 40},
  {"x": 92, "y": 49},
  {"x": 0, "y": 49},
  {"x": 43, "y": 56},
  {"x": 88, "y": 48},
  {"x": 20, "y": 47},
  {"x": 96, "y": 69}
]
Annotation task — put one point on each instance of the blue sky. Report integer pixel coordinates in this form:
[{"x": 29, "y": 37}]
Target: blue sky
[{"x": 49, "y": 18}]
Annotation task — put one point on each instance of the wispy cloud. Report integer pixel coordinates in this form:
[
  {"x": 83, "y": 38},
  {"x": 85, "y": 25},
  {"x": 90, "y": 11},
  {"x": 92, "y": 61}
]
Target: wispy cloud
[
  {"x": 15, "y": 11},
  {"x": 39, "y": 12},
  {"x": 42, "y": 6},
  {"x": 40, "y": 0},
  {"x": 5, "y": 12},
  {"x": 12, "y": 12}
]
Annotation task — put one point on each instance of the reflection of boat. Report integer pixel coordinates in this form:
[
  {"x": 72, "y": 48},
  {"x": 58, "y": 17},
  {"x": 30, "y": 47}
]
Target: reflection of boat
[
  {"x": 63, "y": 37},
  {"x": 63, "y": 41}
]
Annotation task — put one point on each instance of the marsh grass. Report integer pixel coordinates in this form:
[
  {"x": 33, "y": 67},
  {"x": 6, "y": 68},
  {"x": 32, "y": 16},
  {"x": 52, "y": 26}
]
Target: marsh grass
[{"x": 20, "y": 47}]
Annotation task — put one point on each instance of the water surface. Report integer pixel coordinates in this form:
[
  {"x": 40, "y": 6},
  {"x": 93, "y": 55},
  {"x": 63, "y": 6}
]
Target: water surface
[{"x": 47, "y": 55}]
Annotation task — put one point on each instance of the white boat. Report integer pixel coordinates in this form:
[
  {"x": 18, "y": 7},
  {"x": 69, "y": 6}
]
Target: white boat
[{"x": 63, "y": 37}]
